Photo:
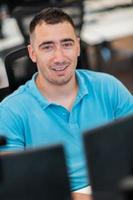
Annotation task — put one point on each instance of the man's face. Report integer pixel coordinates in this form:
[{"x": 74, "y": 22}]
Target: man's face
[{"x": 55, "y": 49}]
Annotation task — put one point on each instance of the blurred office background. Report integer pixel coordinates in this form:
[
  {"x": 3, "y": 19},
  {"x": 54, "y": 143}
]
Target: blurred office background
[{"x": 105, "y": 28}]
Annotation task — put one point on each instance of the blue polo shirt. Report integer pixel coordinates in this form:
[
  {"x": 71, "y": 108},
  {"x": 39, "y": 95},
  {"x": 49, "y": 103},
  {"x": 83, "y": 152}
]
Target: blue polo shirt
[{"x": 28, "y": 120}]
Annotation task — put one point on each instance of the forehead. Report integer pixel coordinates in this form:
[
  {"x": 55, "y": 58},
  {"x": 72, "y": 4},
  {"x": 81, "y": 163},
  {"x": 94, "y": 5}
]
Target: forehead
[{"x": 51, "y": 32}]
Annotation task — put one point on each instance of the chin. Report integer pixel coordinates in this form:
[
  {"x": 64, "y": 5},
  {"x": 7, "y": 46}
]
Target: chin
[{"x": 62, "y": 82}]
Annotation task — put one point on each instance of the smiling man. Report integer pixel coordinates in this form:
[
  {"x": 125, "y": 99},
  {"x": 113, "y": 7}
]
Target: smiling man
[
  {"x": 55, "y": 48},
  {"x": 59, "y": 103}
]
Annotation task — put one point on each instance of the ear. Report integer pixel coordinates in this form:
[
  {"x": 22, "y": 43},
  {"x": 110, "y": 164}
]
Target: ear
[
  {"x": 31, "y": 53},
  {"x": 78, "y": 45}
]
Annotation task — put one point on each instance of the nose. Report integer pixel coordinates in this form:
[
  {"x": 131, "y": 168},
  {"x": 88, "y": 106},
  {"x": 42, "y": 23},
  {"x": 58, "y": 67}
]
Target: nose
[{"x": 59, "y": 54}]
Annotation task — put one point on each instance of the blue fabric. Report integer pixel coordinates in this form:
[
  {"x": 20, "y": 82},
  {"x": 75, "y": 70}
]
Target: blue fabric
[{"x": 29, "y": 120}]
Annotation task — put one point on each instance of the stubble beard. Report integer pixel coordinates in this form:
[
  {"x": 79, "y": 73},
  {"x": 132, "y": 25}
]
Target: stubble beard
[{"x": 61, "y": 81}]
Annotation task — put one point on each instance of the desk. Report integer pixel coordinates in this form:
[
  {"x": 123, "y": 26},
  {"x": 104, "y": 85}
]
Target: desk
[{"x": 107, "y": 26}]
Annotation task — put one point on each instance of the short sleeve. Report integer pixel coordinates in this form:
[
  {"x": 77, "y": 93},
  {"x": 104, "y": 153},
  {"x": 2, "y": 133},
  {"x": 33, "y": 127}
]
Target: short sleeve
[
  {"x": 122, "y": 99},
  {"x": 11, "y": 127}
]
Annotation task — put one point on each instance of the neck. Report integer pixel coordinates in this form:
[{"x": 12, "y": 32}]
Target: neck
[{"x": 60, "y": 94}]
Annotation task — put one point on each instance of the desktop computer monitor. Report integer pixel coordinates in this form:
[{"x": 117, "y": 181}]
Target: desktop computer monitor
[
  {"x": 109, "y": 154},
  {"x": 35, "y": 174}
]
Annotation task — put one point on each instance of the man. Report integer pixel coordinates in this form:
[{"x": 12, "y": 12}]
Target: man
[{"x": 60, "y": 103}]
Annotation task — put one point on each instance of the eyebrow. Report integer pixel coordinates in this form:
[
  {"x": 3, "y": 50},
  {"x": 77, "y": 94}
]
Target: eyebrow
[
  {"x": 51, "y": 42},
  {"x": 45, "y": 43},
  {"x": 67, "y": 40}
]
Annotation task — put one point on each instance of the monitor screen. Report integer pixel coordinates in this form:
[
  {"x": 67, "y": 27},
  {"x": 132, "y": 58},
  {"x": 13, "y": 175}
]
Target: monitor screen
[
  {"x": 109, "y": 154},
  {"x": 34, "y": 175}
]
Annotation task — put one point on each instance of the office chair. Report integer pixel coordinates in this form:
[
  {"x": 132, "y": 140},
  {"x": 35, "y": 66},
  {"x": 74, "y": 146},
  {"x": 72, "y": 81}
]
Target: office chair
[
  {"x": 4, "y": 92},
  {"x": 20, "y": 68}
]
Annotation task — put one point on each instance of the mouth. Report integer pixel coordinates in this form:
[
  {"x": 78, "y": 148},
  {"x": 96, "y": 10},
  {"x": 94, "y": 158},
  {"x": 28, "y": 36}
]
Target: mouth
[{"x": 59, "y": 68}]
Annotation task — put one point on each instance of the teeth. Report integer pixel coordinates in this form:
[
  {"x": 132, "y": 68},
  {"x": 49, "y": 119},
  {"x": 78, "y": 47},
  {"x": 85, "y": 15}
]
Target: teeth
[{"x": 59, "y": 68}]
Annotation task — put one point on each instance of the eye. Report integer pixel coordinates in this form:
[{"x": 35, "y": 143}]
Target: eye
[
  {"x": 48, "y": 47},
  {"x": 68, "y": 44}
]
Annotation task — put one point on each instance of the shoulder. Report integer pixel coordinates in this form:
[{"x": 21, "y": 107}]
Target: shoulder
[
  {"x": 94, "y": 75},
  {"x": 16, "y": 100},
  {"x": 103, "y": 84},
  {"x": 97, "y": 79}
]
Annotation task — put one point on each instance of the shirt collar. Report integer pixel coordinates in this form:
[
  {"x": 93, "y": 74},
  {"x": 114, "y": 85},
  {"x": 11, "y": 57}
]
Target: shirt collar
[
  {"x": 36, "y": 93},
  {"x": 83, "y": 90}
]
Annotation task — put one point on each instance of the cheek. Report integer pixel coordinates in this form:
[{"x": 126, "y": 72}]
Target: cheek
[
  {"x": 43, "y": 62},
  {"x": 72, "y": 54},
  {"x": 78, "y": 51},
  {"x": 40, "y": 58},
  {"x": 45, "y": 57},
  {"x": 75, "y": 56}
]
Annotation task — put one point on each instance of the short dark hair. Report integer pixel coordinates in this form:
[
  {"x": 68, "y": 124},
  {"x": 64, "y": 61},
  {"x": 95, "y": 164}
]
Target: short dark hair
[{"x": 51, "y": 15}]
